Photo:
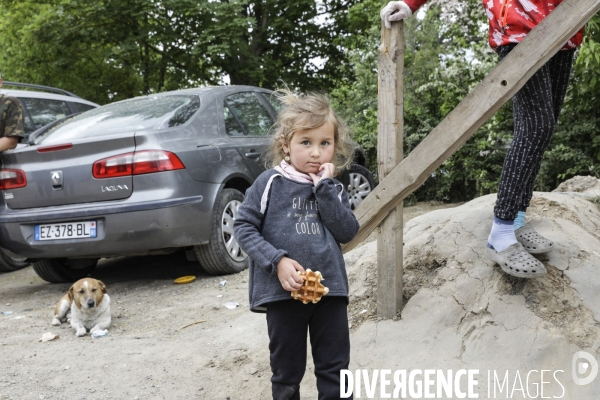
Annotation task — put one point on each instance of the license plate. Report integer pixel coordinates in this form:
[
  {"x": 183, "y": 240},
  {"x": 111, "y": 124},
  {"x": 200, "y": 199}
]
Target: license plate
[{"x": 67, "y": 230}]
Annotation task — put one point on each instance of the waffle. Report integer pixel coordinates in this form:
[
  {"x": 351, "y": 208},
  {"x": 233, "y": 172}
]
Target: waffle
[{"x": 312, "y": 289}]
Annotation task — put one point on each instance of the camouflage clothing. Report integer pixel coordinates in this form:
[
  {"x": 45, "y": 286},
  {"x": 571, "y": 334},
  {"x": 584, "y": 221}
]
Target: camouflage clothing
[{"x": 11, "y": 117}]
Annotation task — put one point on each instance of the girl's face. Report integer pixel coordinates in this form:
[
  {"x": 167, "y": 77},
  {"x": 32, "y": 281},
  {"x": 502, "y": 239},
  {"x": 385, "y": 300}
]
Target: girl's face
[{"x": 309, "y": 149}]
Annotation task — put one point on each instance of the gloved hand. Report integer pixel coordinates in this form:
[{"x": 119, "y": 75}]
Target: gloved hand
[{"x": 394, "y": 11}]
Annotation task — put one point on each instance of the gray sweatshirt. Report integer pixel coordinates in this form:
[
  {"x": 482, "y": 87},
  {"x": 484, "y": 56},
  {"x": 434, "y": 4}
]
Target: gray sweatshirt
[{"x": 281, "y": 217}]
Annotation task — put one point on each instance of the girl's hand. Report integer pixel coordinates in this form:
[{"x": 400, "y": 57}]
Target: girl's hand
[
  {"x": 328, "y": 172},
  {"x": 394, "y": 11},
  {"x": 286, "y": 272}
]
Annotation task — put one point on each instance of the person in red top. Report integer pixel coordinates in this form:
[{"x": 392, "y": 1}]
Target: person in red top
[{"x": 536, "y": 108}]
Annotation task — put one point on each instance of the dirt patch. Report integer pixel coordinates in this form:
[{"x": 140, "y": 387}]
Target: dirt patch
[
  {"x": 421, "y": 273},
  {"x": 363, "y": 303},
  {"x": 363, "y": 276},
  {"x": 363, "y": 307},
  {"x": 553, "y": 300},
  {"x": 167, "y": 341},
  {"x": 545, "y": 208}
]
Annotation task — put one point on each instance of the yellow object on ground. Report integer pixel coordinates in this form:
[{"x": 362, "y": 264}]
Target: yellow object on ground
[{"x": 185, "y": 279}]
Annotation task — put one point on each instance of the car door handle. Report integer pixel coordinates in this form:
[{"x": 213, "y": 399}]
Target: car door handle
[{"x": 252, "y": 155}]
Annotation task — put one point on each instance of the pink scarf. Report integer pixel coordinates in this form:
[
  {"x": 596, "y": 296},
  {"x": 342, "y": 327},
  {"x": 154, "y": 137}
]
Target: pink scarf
[{"x": 290, "y": 172}]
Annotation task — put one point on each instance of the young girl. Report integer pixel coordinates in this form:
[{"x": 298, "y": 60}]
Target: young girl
[{"x": 294, "y": 217}]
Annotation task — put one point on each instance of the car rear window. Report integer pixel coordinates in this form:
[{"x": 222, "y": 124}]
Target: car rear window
[
  {"x": 147, "y": 113},
  {"x": 80, "y": 107},
  {"x": 45, "y": 111},
  {"x": 273, "y": 98}
]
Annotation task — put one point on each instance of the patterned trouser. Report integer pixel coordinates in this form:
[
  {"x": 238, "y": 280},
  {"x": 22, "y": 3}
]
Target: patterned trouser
[{"x": 536, "y": 108}]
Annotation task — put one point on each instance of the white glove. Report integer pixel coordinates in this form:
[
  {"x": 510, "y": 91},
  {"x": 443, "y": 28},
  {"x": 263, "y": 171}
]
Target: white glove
[{"x": 394, "y": 11}]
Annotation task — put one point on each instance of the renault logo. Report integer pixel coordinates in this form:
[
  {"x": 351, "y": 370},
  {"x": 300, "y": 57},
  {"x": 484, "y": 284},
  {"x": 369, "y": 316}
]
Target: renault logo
[{"x": 57, "y": 178}]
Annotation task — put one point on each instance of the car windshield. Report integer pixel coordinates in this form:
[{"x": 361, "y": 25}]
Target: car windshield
[{"x": 156, "y": 112}]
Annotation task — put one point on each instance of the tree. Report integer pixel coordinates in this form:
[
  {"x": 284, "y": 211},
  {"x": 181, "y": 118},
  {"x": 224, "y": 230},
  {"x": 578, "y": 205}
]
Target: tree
[
  {"x": 113, "y": 49},
  {"x": 446, "y": 56},
  {"x": 575, "y": 147}
]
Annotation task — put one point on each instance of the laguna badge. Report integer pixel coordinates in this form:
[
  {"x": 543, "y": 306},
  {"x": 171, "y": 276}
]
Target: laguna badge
[{"x": 113, "y": 188}]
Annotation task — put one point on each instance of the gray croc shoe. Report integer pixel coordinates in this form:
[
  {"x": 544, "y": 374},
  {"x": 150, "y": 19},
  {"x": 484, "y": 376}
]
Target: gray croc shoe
[
  {"x": 516, "y": 261},
  {"x": 533, "y": 242}
]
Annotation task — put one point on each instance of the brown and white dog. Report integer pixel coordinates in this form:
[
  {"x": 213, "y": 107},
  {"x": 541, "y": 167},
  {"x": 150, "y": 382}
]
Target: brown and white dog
[{"x": 88, "y": 306}]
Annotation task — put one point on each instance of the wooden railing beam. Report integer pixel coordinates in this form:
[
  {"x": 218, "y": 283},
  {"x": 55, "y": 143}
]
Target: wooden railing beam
[{"x": 390, "y": 129}]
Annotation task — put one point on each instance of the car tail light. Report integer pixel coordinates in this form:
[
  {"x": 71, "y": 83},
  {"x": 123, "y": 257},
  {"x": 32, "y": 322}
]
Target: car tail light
[
  {"x": 121, "y": 165},
  {"x": 12, "y": 179},
  {"x": 137, "y": 163},
  {"x": 58, "y": 147},
  {"x": 147, "y": 162}
]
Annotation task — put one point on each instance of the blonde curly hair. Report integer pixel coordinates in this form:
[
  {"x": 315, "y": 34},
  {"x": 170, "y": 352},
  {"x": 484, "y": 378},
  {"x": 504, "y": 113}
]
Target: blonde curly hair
[{"x": 302, "y": 112}]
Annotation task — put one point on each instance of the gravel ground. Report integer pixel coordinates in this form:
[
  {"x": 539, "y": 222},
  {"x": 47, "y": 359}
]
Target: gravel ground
[{"x": 167, "y": 341}]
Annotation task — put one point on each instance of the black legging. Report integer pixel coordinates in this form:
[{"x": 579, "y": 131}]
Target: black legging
[
  {"x": 326, "y": 322},
  {"x": 536, "y": 108}
]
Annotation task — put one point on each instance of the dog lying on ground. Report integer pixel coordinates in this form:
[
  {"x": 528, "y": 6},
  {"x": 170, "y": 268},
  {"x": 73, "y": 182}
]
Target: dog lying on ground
[{"x": 86, "y": 305}]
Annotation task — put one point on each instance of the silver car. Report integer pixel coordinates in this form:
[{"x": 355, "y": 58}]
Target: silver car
[
  {"x": 148, "y": 175},
  {"x": 45, "y": 104}
]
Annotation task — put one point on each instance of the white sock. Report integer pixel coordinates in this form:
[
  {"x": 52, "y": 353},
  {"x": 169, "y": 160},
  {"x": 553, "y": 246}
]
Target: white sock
[{"x": 502, "y": 234}]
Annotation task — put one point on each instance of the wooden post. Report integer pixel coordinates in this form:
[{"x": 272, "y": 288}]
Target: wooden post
[
  {"x": 390, "y": 64},
  {"x": 462, "y": 122}
]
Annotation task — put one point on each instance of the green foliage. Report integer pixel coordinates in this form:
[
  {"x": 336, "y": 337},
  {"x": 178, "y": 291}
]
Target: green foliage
[
  {"x": 575, "y": 147},
  {"x": 356, "y": 99},
  {"x": 438, "y": 74},
  {"x": 445, "y": 61},
  {"x": 588, "y": 60},
  {"x": 107, "y": 50},
  {"x": 446, "y": 57}
]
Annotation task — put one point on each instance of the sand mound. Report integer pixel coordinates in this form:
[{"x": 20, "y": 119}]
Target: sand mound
[
  {"x": 462, "y": 312},
  {"x": 588, "y": 186}
]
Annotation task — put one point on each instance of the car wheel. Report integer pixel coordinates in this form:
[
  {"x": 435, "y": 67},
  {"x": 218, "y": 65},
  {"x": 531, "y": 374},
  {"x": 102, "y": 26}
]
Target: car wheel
[
  {"x": 64, "y": 270},
  {"x": 360, "y": 184},
  {"x": 9, "y": 264},
  {"x": 223, "y": 255}
]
